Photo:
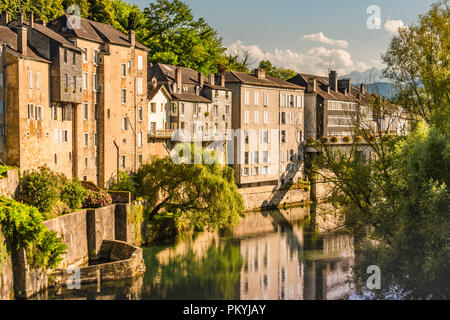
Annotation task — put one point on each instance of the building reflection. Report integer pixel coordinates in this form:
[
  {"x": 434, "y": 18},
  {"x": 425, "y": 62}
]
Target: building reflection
[{"x": 295, "y": 262}]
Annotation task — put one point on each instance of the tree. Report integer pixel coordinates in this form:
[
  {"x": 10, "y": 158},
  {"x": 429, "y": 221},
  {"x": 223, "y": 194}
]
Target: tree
[
  {"x": 204, "y": 194},
  {"x": 124, "y": 183},
  {"x": 418, "y": 60},
  {"x": 274, "y": 71},
  {"x": 175, "y": 37}
]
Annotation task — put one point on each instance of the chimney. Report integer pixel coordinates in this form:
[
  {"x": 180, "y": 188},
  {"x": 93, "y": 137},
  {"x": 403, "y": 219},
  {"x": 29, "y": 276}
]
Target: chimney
[
  {"x": 312, "y": 85},
  {"x": 4, "y": 18},
  {"x": 363, "y": 88},
  {"x": 212, "y": 79},
  {"x": 132, "y": 38},
  {"x": 333, "y": 80},
  {"x": 201, "y": 80},
  {"x": 260, "y": 73},
  {"x": 222, "y": 80},
  {"x": 22, "y": 37},
  {"x": 154, "y": 82},
  {"x": 178, "y": 78},
  {"x": 31, "y": 20}
]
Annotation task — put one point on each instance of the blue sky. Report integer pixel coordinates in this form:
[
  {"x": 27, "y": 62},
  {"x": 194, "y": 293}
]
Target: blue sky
[{"x": 309, "y": 36}]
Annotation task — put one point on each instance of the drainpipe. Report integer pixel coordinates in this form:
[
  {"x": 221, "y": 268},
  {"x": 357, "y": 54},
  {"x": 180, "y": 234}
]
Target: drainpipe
[{"x": 117, "y": 159}]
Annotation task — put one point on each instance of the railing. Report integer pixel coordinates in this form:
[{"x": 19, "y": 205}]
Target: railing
[{"x": 160, "y": 134}]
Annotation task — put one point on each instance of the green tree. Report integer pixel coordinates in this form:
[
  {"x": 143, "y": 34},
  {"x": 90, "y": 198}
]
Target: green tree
[
  {"x": 175, "y": 37},
  {"x": 124, "y": 183},
  {"x": 418, "y": 61},
  {"x": 204, "y": 194},
  {"x": 282, "y": 73}
]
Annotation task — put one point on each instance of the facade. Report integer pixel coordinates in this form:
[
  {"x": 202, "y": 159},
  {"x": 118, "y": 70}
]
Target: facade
[
  {"x": 268, "y": 124},
  {"x": 200, "y": 109}
]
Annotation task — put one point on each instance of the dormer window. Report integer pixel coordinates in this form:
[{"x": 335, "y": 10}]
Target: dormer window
[{"x": 197, "y": 90}]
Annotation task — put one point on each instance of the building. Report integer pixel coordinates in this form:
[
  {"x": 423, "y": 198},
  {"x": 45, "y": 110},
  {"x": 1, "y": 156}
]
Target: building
[
  {"x": 200, "y": 109},
  {"x": 111, "y": 122},
  {"x": 41, "y": 88},
  {"x": 268, "y": 124}
]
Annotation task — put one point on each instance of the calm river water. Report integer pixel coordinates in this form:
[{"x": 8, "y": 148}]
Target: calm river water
[{"x": 280, "y": 254}]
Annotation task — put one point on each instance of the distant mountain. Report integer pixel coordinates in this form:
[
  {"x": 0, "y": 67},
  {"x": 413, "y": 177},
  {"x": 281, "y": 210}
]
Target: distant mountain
[
  {"x": 374, "y": 80},
  {"x": 371, "y": 75}
]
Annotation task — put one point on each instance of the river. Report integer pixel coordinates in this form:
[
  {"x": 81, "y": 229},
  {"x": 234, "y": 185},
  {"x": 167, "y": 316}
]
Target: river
[{"x": 280, "y": 254}]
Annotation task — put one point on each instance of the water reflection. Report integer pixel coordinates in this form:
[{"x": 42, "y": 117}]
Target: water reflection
[{"x": 280, "y": 254}]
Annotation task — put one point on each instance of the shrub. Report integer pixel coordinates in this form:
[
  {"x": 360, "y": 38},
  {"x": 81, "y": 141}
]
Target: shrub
[
  {"x": 59, "y": 209},
  {"x": 73, "y": 194},
  {"x": 40, "y": 188},
  {"x": 334, "y": 139},
  {"x": 3, "y": 169},
  {"x": 126, "y": 182},
  {"x": 97, "y": 199},
  {"x": 346, "y": 139},
  {"x": 324, "y": 139}
]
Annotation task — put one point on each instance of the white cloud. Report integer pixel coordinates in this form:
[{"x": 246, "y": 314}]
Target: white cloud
[
  {"x": 392, "y": 26},
  {"x": 321, "y": 38},
  {"x": 317, "y": 60}
]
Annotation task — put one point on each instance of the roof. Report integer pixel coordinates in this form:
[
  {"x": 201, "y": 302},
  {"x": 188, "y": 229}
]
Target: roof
[
  {"x": 190, "y": 97},
  {"x": 9, "y": 37},
  {"x": 268, "y": 81},
  {"x": 151, "y": 92},
  {"x": 41, "y": 28},
  {"x": 90, "y": 30}
]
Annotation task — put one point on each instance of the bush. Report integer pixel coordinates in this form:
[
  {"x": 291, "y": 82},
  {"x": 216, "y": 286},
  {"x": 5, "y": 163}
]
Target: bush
[
  {"x": 3, "y": 169},
  {"x": 126, "y": 182},
  {"x": 324, "y": 139},
  {"x": 334, "y": 139},
  {"x": 22, "y": 227},
  {"x": 59, "y": 209},
  {"x": 97, "y": 199},
  {"x": 73, "y": 194},
  {"x": 40, "y": 188},
  {"x": 346, "y": 139}
]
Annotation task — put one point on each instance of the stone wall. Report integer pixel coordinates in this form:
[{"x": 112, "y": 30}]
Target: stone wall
[
  {"x": 270, "y": 196},
  {"x": 129, "y": 222},
  {"x": 6, "y": 272},
  {"x": 10, "y": 183},
  {"x": 100, "y": 226},
  {"x": 71, "y": 228}
]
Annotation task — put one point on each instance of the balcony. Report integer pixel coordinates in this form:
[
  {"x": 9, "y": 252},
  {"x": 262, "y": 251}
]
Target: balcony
[{"x": 160, "y": 134}]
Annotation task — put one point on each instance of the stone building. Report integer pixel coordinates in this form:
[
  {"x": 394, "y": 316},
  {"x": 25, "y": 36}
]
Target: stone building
[
  {"x": 268, "y": 129},
  {"x": 111, "y": 121},
  {"x": 200, "y": 108},
  {"x": 36, "y": 124}
]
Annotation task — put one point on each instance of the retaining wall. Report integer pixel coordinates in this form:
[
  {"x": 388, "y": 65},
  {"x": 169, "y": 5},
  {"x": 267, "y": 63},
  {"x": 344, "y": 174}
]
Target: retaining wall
[
  {"x": 10, "y": 183},
  {"x": 6, "y": 272},
  {"x": 271, "y": 196}
]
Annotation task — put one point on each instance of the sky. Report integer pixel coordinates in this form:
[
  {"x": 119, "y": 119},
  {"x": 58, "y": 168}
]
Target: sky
[{"x": 306, "y": 35}]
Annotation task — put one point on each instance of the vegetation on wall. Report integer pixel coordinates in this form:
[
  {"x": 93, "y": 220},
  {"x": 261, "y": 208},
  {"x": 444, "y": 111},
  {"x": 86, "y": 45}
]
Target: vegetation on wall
[{"x": 22, "y": 227}]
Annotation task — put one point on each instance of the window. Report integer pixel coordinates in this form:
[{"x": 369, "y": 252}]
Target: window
[
  {"x": 85, "y": 80},
  {"x": 38, "y": 113},
  {"x": 139, "y": 85},
  {"x": 38, "y": 81},
  {"x": 265, "y": 136},
  {"x": 129, "y": 64},
  {"x": 30, "y": 111},
  {"x": 255, "y": 157},
  {"x": 66, "y": 81},
  {"x": 85, "y": 111},
  {"x": 139, "y": 62},
  {"x": 140, "y": 115},
  {"x": 256, "y": 117},
  {"x": 96, "y": 139},
  {"x": 282, "y": 100},
  {"x": 246, "y": 117},
  {"x": 291, "y": 117},
  {"x": 246, "y": 159},
  {"x": 86, "y": 140},
  {"x": 265, "y": 157},
  {"x": 266, "y": 117},
  {"x": 291, "y": 100},
  {"x": 139, "y": 139},
  {"x": 283, "y": 117},
  {"x": 56, "y": 158},
  {"x": 140, "y": 160},
  {"x": 153, "y": 107},
  {"x": 283, "y": 136},
  {"x": 30, "y": 79},
  {"x": 74, "y": 83},
  {"x": 1, "y": 79},
  {"x": 86, "y": 162},
  {"x": 85, "y": 55},
  {"x": 256, "y": 98},
  {"x": 123, "y": 95},
  {"x": 122, "y": 161},
  {"x": 152, "y": 126},
  {"x": 65, "y": 136},
  {"x": 227, "y": 110},
  {"x": 95, "y": 84},
  {"x": 123, "y": 70},
  {"x": 299, "y": 117},
  {"x": 95, "y": 57},
  {"x": 245, "y": 172},
  {"x": 216, "y": 111},
  {"x": 246, "y": 98},
  {"x": 291, "y": 155},
  {"x": 265, "y": 170},
  {"x": 74, "y": 58},
  {"x": 300, "y": 136},
  {"x": 196, "y": 110},
  {"x": 246, "y": 138},
  {"x": 55, "y": 135},
  {"x": 54, "y": 113},
  {"x": 266, "y": 99},
  {"x": 96, "y": 111},
  {"x": 182, "y": 109},
  {"x": 124, "y": 124},
  {"x": 65, "y": 55}
]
